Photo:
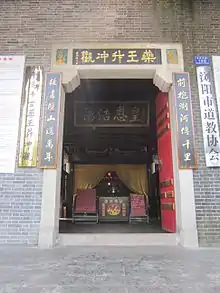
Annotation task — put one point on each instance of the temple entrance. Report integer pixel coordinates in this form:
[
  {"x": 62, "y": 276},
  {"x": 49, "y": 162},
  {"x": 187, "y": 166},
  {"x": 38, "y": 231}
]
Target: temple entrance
[
  {"x": 57, "y": 205},
  {"x": 117, "y": 161}
]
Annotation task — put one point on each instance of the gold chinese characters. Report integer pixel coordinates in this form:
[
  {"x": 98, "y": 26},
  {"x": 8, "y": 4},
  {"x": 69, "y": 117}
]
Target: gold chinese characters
[
  {"x": 31, "y": 114},
  {"x": 100, "y": 114},
  {"x": 116, "y": 56}
]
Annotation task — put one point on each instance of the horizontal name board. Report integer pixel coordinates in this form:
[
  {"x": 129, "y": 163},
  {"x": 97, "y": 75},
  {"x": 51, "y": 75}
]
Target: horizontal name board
[
  {"x": 202, "y": 60},
  {"x": 49, "y": 139},
  {"x": 186, "y": 142},
  {"x": 111, "y": 114},
  {"x": 116, "y": 56}
]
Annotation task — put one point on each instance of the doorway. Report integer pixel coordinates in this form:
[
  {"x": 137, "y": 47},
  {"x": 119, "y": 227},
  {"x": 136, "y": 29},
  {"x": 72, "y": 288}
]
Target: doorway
[
  {"x": 183, "y": 179},
  {"x": 114, "y": 166}
]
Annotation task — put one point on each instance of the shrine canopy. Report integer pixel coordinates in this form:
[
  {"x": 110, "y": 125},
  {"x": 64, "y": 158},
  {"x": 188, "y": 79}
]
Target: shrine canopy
[
  {"x": 112, "y": 185},
  {"x": 133, "y": 176}
]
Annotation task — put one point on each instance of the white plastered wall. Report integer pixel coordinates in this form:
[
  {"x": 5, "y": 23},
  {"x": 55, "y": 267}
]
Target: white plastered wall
[{"x": 162, "y": 77}]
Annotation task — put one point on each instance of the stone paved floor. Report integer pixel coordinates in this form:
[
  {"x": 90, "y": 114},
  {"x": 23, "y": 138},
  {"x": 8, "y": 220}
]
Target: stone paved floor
[{"x": 109, "y": 269}]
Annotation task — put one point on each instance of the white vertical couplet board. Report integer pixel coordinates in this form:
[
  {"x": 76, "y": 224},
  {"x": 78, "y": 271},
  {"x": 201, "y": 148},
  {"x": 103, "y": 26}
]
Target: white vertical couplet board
[
  {"x": 11, "y": 83},
  {"x": 209, "y": 115}
]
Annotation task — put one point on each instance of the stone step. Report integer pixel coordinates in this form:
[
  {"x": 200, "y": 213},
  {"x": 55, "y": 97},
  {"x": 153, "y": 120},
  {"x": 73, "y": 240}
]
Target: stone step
[{"x": 116, "y": 239}]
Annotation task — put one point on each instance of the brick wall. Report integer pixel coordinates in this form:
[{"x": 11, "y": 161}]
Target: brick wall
[
  {"x": 205, "y": 40},
  {"x": 31, "y": 27}
]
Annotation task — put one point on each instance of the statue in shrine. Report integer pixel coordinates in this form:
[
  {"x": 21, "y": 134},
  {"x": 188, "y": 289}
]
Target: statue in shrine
[{"x": 113, "y": 188}]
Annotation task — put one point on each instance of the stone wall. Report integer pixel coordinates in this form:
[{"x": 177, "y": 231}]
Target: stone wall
[{"x": 31, "y": 27}]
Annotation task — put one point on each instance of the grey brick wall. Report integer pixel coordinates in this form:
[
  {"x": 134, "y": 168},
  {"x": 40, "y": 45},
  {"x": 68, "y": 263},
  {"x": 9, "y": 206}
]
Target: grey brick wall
[
  {"x": 205, "y": 40},
  {"x": 31, "y": 27}
]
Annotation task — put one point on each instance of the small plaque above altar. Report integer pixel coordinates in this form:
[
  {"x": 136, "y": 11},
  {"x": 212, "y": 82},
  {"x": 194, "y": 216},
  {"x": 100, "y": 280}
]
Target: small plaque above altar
[{"x": 138, "y": 205}]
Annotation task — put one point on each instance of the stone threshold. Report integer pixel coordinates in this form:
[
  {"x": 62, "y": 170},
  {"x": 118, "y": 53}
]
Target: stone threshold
[{"x": 116, "y": 239}]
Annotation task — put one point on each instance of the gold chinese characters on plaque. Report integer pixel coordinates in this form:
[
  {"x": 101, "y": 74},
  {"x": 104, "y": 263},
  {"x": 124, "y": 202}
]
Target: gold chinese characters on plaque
[
  {"x": 28, "y": 149},
  {"x": 111, "y": 114},
  {"x": 116, "y": 56}
]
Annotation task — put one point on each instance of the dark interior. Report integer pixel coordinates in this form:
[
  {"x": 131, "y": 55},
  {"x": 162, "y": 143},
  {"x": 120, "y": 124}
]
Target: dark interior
[
  {"x": 110, "y": 145},
  {"x": 125, "y": 144}
]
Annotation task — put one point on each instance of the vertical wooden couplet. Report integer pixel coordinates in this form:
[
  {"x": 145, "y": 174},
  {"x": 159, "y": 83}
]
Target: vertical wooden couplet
[
  {"x": 184, "y": 119},
  {"x": 50, "y": 126}
]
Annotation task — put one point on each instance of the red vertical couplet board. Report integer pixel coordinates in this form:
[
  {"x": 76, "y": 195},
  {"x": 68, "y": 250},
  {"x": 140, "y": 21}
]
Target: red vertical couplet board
[{"x": 166, "y": 182}]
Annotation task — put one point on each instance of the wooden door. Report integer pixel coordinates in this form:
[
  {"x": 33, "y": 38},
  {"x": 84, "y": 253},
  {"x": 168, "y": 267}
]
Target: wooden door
[{"x": 166, "y": 182}]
